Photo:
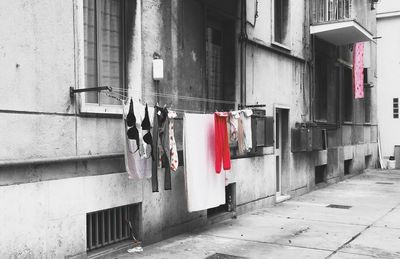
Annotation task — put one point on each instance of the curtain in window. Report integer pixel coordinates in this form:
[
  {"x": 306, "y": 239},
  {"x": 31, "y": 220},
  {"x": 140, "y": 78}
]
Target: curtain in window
[
  {"x": 214, "y": 63},
  {"x": 90, "y": 42},
  {"x": 103, "y": 48},
  {"x": 110, "y": 65}
]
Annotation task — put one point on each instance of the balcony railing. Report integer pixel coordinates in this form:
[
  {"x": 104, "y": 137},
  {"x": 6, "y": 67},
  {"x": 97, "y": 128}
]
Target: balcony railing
[
  {"x": 331, "y": 10},
  {"x": 339, "y": 22}
]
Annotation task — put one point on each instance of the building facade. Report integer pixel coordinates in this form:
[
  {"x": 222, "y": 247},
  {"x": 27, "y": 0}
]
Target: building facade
[
  {"x": 388, "y": 17},
  {"x": 63, "y": 186}
]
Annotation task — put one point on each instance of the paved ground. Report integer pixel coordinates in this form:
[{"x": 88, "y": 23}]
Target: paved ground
[{"x": 304, "y": 227}]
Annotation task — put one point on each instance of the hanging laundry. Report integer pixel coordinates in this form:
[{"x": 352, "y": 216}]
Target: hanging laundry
[
  {"x": 161, "y": 147},
  {"x": 147, "y": 138},
  {"x": 241, "y": 145},
  {"x": 204, "y": 188},
  {"x": 358, "y": 70},
  {"x": 172, "y": 143},
  {"x": 245, "y": 124},
  {"x": 234, "y": 126},
  {"x": 222, "y": 152},
  {"x": 132, "y": 132},
  {"x": 136, "y": 166}
]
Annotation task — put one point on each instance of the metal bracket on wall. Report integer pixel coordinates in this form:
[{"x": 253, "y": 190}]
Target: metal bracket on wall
[
  {"x": 73, "y": 91},
  {"x": 241, "y": 106}
]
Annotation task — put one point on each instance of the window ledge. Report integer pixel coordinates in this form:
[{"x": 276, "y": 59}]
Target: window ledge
[
  {"x": 281, "y": 46},
  {"x": 250, "y": 155},
  {"x": 264, "y": 151},
  {"x": 103, "y": 109}
]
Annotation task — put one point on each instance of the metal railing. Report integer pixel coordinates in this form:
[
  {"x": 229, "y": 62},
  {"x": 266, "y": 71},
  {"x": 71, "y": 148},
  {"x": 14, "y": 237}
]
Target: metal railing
[{"x": 330, "y": 10}]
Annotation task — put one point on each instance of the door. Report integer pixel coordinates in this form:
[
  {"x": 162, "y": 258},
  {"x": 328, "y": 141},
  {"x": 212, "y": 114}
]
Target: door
[{"x": 278, "y": 150}]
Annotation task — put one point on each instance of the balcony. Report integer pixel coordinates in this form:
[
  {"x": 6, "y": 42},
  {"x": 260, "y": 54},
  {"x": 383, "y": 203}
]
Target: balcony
[{"x": 335, "y": 21}]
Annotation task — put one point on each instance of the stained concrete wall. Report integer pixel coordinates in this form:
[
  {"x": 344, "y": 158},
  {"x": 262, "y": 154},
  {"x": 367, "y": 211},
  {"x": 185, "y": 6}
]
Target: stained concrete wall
[
  {"x": 281, "y": 79},
  {"x": 44, "y": 122},
  {"x": 48, "y": 219},
  {"x": 388, "y": 62},
  {"x": 277, "y": 76}
]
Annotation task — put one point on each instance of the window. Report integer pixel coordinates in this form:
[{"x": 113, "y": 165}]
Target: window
[
  {"x": 214, "y": 60},
  {"x": 220, "y": 61},
  {"x": 347, "y": 95},
  {"x": 321, "y": 85},
  {"x": 395, "y": 108},
  {"x": 325, "y": 85},
  {"x": 281, "y": 22},
  {"x": 104, "y": 47},
  {"x": 367, "y": 98}
]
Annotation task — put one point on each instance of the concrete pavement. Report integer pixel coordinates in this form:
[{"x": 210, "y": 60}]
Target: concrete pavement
[{"x": 303, "y": 227}]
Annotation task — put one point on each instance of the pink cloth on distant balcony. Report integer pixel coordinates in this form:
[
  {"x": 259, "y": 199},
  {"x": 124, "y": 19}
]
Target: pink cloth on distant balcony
[{"x": 358, "y": 70}]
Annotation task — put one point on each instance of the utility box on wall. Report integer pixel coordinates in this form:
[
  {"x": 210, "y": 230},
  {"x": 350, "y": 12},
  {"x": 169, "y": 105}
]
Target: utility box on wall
[
  {"x": 301, "y": 140},
  {"x": 306, "y": 139},
  {"x": 317, "y": 139}
]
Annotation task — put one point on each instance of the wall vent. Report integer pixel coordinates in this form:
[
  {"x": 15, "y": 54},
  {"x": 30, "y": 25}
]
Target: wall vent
[
  {"x": 107, "y": 227},
  {"x": 347, "y": 166},
  {"x": 320, "y": 174}
]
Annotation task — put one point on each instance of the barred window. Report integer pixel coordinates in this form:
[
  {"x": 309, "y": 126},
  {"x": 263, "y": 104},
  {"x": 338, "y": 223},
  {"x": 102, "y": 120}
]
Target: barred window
[
  {"x": 395, "y": 108},
  {"x": 104, "y": 47}
]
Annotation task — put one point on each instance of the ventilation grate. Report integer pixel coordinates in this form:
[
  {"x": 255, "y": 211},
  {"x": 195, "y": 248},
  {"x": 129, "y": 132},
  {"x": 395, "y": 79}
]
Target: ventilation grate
[
  {"x": 109, "y": 226},
  {"x": 338, "y": 206},
  {"x": 384, "y": 183},
  {"x": 224, "y": 256}
]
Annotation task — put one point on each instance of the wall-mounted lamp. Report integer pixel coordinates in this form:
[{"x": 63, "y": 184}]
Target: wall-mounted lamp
[{"x": 158, "y": 67}]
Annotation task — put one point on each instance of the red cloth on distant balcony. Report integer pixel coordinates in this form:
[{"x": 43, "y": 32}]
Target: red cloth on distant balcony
[{"x": 358, "y": 70}]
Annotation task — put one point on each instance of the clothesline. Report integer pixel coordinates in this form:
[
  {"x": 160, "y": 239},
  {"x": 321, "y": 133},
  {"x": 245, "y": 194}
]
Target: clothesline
[
  {"x": 175, "y": 109},
  {"x": 123, "y": 94}
]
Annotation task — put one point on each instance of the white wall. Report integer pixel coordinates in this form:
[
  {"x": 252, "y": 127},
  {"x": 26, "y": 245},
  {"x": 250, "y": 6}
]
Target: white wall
[
  {"x": 388, "y": 6},
  {"x": 388, "y": 76}
]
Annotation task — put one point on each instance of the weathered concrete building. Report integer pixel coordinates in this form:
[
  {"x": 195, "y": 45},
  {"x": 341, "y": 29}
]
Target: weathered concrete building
[
  {"x": 388, "y": 18},
  {"x": 63, "y": 186}
]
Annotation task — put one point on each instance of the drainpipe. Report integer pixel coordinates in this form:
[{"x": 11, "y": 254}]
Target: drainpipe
[{"x": 243, "y": 43}]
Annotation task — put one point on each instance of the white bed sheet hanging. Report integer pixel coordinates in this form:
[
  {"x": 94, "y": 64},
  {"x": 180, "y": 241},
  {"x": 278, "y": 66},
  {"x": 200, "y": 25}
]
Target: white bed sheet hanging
[{"x": 204, "y": 188}]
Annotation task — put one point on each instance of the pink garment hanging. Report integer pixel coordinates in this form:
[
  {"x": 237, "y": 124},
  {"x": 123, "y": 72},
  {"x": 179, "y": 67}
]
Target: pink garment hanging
[{"x": 358, "y": 70}]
